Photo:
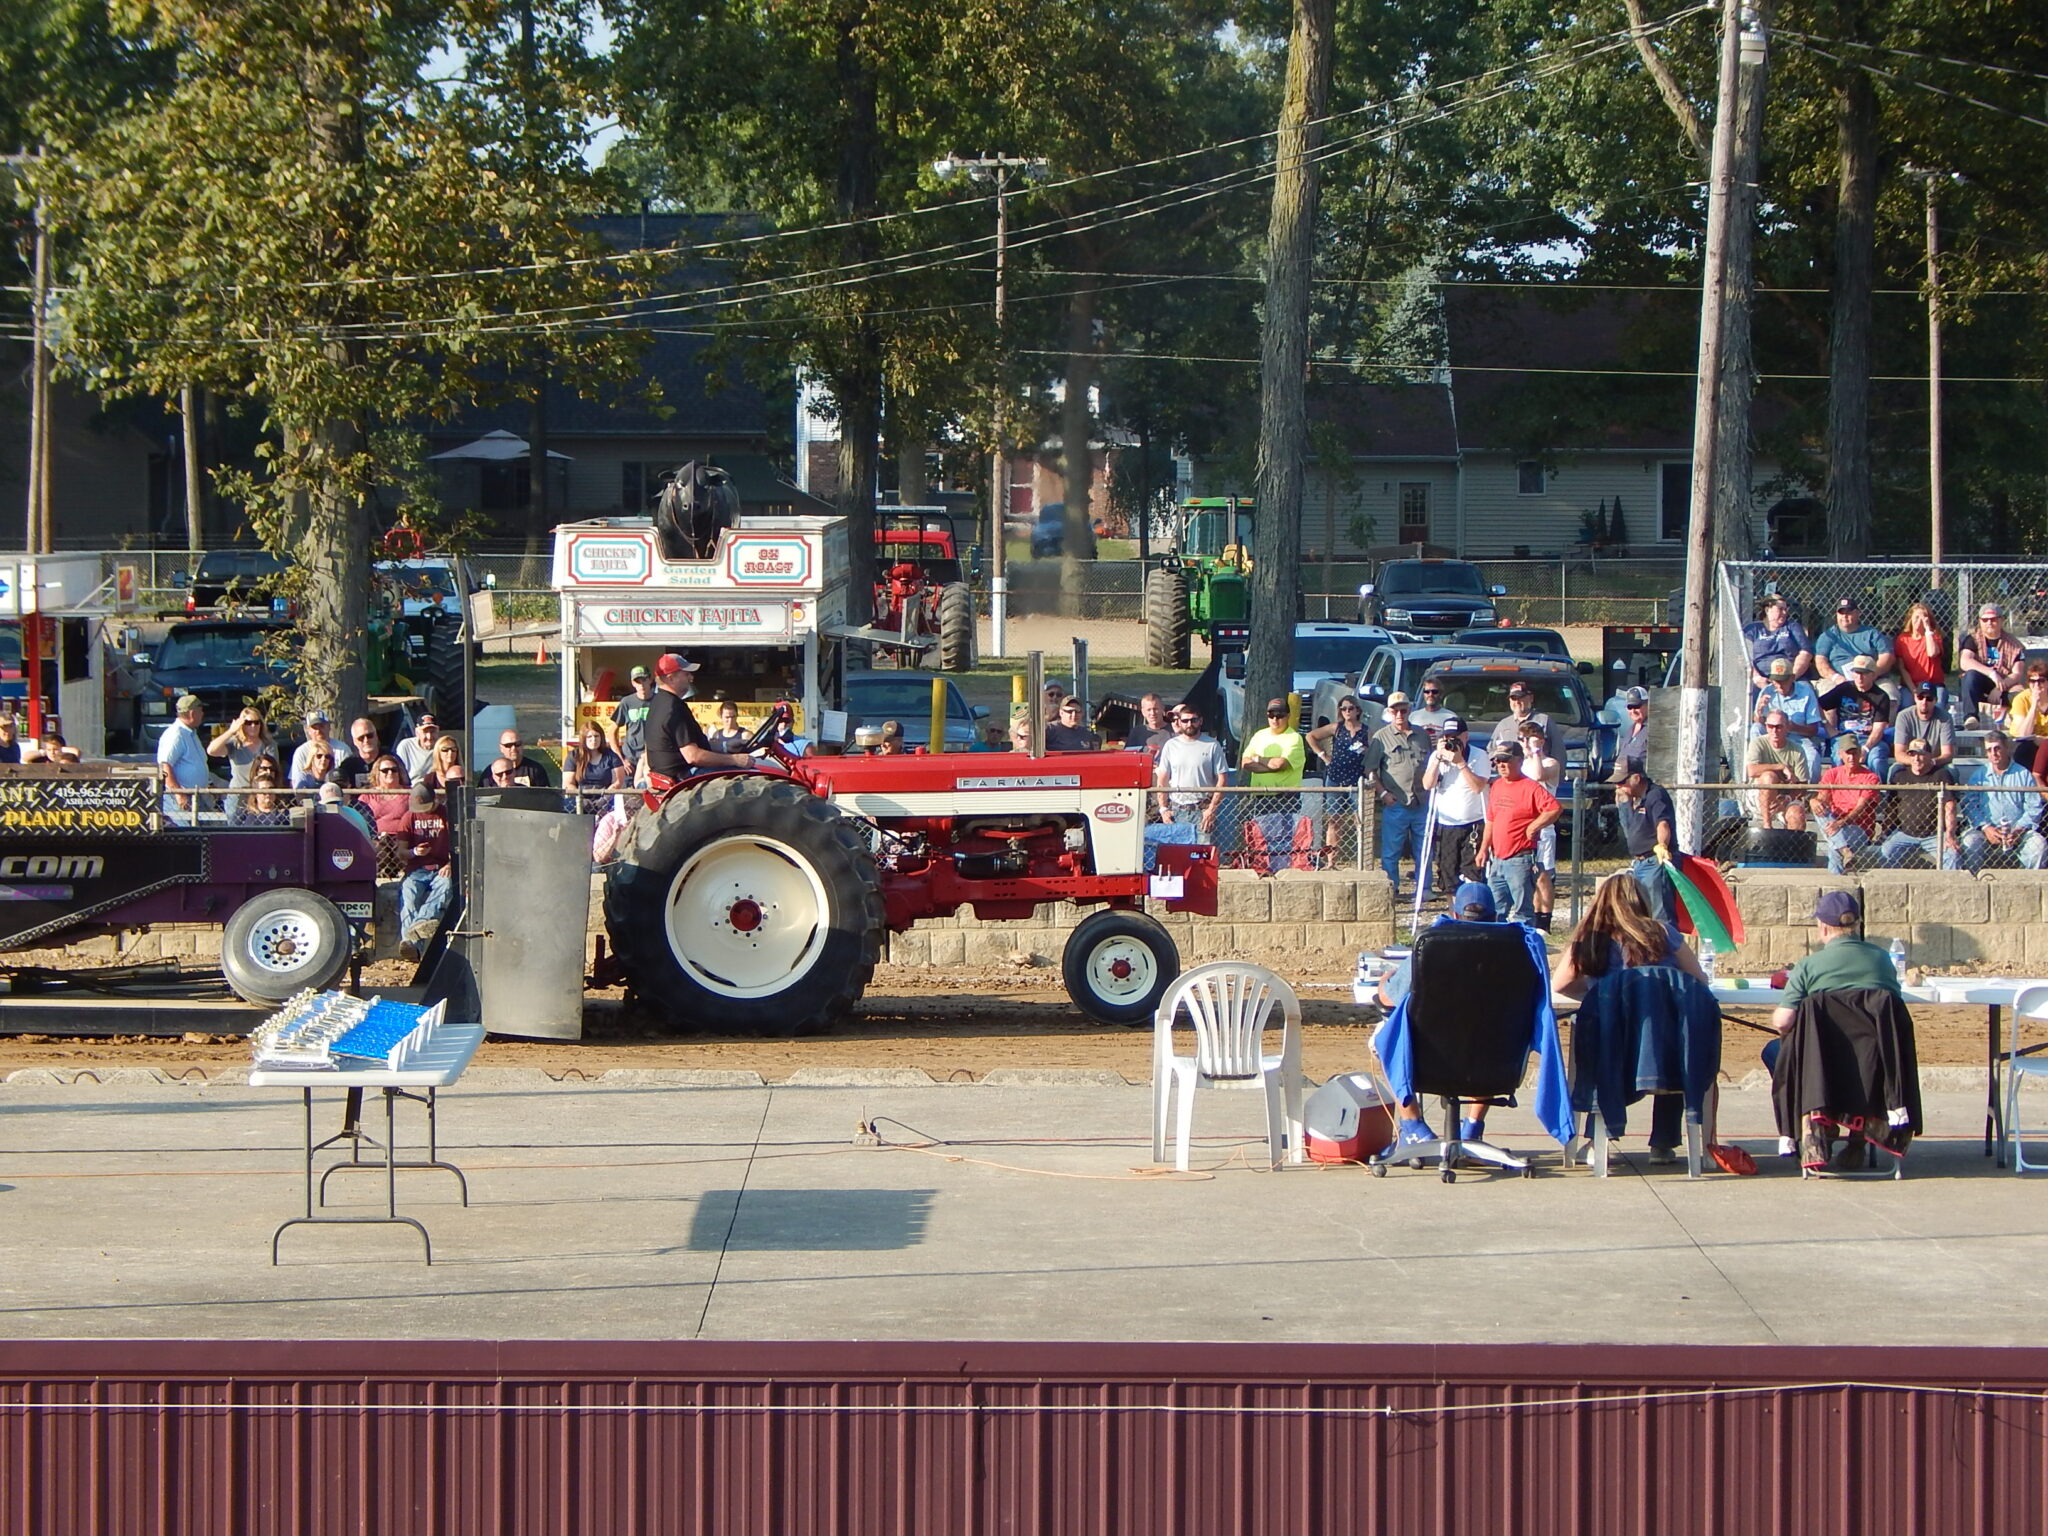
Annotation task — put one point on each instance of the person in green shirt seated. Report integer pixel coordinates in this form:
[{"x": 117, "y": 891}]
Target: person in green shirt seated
[{"x": 1845, "y": 961}]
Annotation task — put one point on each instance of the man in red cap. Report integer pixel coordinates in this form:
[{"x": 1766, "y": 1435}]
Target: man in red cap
[{"x": 674, "y": 740}]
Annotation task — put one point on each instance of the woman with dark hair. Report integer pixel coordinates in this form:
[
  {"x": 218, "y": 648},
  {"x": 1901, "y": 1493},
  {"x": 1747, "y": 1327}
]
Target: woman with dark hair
[
  {"x": 1341, "y": 744},
  {"x": 263, "y": 806},
  {"x": 1620, "y": 932}
]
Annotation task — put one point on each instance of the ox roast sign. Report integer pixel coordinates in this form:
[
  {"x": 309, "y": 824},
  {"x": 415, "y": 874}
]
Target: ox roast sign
[{"x": 75, "y": 807}]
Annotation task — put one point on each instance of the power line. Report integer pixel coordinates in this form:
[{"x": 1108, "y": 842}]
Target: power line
[{"x": 1922, "y": 85}]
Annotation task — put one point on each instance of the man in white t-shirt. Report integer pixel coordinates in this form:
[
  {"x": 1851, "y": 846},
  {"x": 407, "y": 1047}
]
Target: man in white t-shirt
[
  {"x": 1456, "y": 781},
  {"x": 1189, "y": 778},
  {"x": 181, "y": 758}
]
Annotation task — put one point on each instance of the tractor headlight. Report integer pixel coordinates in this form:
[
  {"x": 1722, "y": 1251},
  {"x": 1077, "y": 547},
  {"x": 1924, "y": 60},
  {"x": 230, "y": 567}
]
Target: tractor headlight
[
  {"x": 1482, "y": 615},
  {"x": 1396, "y": 615},
  {"x": 155, "y": 707}
]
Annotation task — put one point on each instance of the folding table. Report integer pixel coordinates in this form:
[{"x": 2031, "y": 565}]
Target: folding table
[{"x": 434, "y": 1066}]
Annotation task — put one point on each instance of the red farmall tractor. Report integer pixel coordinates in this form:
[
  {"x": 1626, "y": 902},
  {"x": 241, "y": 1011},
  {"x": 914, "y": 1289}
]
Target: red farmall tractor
[
  {"x": 759, "y": 901},
  {"x": 921, "y": 593}
]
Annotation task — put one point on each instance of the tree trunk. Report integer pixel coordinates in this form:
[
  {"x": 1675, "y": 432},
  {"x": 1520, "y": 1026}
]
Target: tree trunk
[
  {"x": 857, "y": 382},
  {"x": 1283, "y": 356},
  {"x": 332, "y": 538},
  {"x": 1077, "y": 434},
  {"x": 1734, "y": 536},
  {"x": 1848, "y": 428},
  {"x": 912, "y": 488}
]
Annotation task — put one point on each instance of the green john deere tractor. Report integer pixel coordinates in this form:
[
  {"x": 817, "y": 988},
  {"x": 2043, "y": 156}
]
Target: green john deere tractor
[{"x": 1203, "y": 583}]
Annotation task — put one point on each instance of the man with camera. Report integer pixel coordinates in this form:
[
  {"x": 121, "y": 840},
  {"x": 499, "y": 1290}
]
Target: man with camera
[{"x": 1455, "y": 781}]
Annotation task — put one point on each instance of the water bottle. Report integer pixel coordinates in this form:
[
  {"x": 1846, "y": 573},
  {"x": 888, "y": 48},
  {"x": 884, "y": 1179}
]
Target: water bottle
[
  {"x": 1898, "y": 953},
  {"x": 1707, "y": 959}
]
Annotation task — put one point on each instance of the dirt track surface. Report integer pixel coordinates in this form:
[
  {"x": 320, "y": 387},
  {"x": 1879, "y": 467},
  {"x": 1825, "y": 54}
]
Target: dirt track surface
[{"x": 956, "y": 1025}]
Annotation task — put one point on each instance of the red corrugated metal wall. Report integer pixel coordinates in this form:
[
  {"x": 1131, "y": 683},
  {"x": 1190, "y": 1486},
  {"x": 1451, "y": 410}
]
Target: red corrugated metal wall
[{"x": 621, "y": 1439}]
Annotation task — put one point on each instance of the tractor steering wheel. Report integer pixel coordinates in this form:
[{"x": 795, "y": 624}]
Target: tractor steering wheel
[{"x": 766, "y": 732}]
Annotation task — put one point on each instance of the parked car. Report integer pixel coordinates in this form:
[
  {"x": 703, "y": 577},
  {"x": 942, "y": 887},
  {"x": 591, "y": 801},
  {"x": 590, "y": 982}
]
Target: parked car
[
  {"x": 1323, "y": 650},
  {"x": 225, "y": 662},
  {"x": 1523, "y": 640},
  {"x": 906, "y": 698},
  {"x": 1049, "y": 533},
  {"x": 1476, "y": 689},
  {"x": 1397, "y": 667},
  {"x": 1419, "y": 599},
  {"x": 239, "y": 575}
]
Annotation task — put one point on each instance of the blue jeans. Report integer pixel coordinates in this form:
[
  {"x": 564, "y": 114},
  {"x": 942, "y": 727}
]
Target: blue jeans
[
  {"x": 1656, "y": 883},
  {"x": 422, "y": 897},
  {"x": 1901, "y": 846},
  {"x": 1513, "y": 882},
  {"x": 1847, "y": 838},
  {"x": 2030, "y": 852},
  {"x": 1401, "y": 833}
]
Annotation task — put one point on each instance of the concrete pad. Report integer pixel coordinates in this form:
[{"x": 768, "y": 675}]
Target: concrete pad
[{"x": 143, "y": 1208}]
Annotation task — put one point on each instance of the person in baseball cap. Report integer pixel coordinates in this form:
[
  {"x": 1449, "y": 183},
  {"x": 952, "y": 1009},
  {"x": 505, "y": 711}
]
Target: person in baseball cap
[
  {"x": 637, "y": 675},
  {"x": 1473, "y": 903},
  {"x": 1845, "y": 961},
  {"x": 673, "y": 742},
  {"x": 671, "y": 663}
]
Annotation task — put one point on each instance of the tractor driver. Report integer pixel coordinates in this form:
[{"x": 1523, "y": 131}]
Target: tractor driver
[{"x": 675, "y": 741}]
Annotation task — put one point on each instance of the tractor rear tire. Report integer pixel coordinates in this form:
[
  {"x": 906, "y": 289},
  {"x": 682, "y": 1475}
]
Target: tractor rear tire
[
  {"x": 283, "y": 942},
  {"x": 746, "y": 904},
  {"x": 1166, "y": 617},
  {"x": 443, "y": 688},
  {"x": 956, "y": 627},
  {"x": 1117, "y": 965}
]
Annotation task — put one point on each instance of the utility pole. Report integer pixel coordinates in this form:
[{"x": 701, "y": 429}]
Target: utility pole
[
  {"x": 997, "y": 170},
  {"x": 36, "y": 522},
  {"x": 1741, "y": 33},
  {"x": 1936, "y": 504}
]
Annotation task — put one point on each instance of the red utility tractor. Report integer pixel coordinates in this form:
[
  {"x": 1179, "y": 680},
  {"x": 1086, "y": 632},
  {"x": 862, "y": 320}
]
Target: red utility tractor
[
  {"x": 759, "y": 901},
  {"x": 921, "y": 592}
]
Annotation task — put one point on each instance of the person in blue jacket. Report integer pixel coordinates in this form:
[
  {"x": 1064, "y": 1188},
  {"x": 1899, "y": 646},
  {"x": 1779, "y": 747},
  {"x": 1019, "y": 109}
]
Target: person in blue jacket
[{"x": 1471, "y": 903}]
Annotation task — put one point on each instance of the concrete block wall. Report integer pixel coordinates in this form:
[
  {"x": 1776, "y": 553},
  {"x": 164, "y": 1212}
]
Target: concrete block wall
[
  {"x": 1993, "y": 921},
  {"x": 1334, "y": 912}
]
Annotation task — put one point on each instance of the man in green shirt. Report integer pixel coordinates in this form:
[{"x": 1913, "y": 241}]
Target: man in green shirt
[
  {"x": 1845, "y": 961},
  {"x": 1273, "y": 759}
]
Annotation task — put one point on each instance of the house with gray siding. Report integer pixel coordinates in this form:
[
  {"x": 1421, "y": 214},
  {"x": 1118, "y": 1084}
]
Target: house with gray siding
[{"x": 1547, "y": 405}]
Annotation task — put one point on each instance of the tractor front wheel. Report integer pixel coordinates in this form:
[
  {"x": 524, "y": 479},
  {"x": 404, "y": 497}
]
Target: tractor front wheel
[
  {"x": 1118, "y": 965},
  {"x": 1166, "y": 617},
  {"x": 956, "y": 627},
  {"x": 746, "y": 904}
]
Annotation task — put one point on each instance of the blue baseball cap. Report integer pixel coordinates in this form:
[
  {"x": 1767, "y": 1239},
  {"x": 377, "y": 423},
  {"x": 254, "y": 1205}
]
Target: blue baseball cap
[{"x": 1473, "y": 901}]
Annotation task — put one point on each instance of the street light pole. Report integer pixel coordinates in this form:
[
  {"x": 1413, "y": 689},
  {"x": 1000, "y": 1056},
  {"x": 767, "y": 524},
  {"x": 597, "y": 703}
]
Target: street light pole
[{"x": 997, "y": 170}]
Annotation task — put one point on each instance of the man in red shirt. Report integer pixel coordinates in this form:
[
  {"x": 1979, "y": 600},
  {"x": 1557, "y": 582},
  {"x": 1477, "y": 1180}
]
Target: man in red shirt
[
  {"x": 423, "y": 893},
  {"x": 1847, "y": 816},
  {"x": 1517, "y": 809}
]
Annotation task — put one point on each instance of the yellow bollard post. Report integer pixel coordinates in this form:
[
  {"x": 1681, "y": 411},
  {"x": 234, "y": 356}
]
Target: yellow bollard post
[
  {"x": 938, "y": 743},
  {"x": 1017, "y": 688},
  {"x": 1294, "y": 711}
]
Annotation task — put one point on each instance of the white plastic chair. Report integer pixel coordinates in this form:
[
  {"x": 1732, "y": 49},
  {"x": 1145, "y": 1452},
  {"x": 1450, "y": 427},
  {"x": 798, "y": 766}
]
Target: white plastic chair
[
  {"x": 2020, "y": 1063},
  {"x": 1231, "y": 1006}
]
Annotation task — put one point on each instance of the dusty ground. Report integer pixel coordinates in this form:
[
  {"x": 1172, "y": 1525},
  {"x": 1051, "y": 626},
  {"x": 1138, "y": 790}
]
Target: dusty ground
[{"x": 957, "y": 1025}]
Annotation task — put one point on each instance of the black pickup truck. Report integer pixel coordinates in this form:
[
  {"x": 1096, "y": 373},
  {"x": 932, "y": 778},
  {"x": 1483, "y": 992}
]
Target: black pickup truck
[{"x": 1428, "y": 599}]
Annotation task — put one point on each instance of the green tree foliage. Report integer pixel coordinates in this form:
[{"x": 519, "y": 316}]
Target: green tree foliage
[{"x": 352, "y": 216}]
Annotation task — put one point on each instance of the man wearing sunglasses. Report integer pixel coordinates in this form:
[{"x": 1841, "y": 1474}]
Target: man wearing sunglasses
[
  {"x": 1189, "y": 778},
  {"x": 1275, "y": 756},
  {"x": 1429, "y": 716}
]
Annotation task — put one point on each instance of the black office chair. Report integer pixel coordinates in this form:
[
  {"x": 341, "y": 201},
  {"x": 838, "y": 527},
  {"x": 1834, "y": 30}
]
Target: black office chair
[{"x": 1474, "y": 999}]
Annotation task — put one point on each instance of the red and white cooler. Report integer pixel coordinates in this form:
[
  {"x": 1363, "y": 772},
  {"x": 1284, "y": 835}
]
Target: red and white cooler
[{"x": 1347, "y": 1120}]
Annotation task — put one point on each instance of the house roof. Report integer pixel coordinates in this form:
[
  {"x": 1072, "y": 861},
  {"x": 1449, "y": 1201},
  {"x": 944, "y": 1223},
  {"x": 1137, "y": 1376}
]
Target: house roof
[
  {"x": 1556, "y": 369},
  {"x": 1387, "y": 421},
  {"x": 698, "y": 398}
]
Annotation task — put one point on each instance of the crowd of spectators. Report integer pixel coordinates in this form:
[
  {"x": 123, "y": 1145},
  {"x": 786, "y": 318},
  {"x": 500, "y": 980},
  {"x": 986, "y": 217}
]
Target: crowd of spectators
[{"x": 1856, "y": 739}]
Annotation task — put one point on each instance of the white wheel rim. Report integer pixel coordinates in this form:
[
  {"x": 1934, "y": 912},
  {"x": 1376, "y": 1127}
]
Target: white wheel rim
[
  {"x": 1122, "y": 970},
  {"x": 747, "y": 916},
  {"x": 284, "y": 941}
]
